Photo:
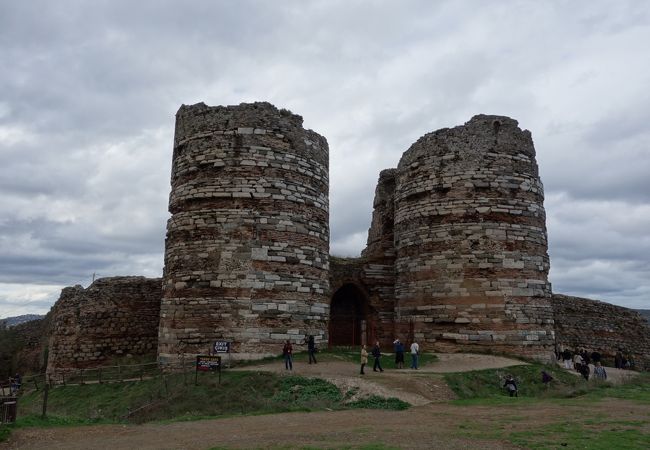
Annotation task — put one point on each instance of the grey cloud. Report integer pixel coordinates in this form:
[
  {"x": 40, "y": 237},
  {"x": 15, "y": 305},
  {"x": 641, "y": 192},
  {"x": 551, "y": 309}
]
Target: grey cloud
[{"x": 96, "y": 88}]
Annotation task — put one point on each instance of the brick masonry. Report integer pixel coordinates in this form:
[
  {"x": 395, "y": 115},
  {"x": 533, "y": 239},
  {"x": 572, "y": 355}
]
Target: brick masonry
[
  {"x": 246, "y": 255},
  {"x": 456, "y": 255},
  {"x": 111, "y": 318},
  {"x": 470, "y": 236},
  {"x": 595, "y": 325}
]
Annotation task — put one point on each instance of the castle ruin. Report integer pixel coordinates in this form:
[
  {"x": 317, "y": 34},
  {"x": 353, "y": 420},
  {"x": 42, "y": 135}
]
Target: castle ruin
[{"x": 456, "y": 255}]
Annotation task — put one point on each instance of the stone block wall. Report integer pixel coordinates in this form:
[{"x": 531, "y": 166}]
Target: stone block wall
[
  {"x": 595, "y": 325},
  {"x": 246, "y": 254},
  {"x": 113, "y": 317},
  {"x": 470, "y": 237},
  {"x": 23, "y": 347}
]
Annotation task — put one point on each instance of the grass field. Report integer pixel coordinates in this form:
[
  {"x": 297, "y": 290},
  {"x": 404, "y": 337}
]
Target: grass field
[
  {"x": 570, "y": 413},
  {"x": 175, "y": 397},
  {"x": 587, "y": 426}
]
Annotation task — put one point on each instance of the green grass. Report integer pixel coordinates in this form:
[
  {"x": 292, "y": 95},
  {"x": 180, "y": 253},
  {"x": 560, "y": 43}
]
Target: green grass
[
  {"x": 486, "y": 386},
  {"x": 5, "y": 432},
  {"x": 376, "y": 402},
  {"x": 170, "y": 398},
  {"x": 370, "y": 446},
  {"x": 589, "y": 429},
  {"x": 636, "y": 389},
  {"x": 605, "y": 435},
  {"x": 584, "y": 431}
]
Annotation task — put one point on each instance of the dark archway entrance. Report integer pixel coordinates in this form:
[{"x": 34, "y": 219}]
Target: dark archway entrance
[{"x": 348, "y": 316}]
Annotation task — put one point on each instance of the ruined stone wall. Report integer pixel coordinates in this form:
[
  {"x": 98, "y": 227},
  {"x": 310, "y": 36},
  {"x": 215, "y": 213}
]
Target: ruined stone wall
[
  {"x": 595, "y": 325},
  {"x": 246, "y": 254},
  {"x": 470, "y": 237},
  {"x": 23, "y": 347},
  {"x": 379, "y": 255},
  {"x": 372, "y": 286},
  {"x": 113, "y": 317}
]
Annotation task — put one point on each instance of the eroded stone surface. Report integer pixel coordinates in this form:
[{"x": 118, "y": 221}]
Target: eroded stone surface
[
  {"x": 456, "y": 255},
  {"x": 246, "y": 255},
  {"x": 112, "y": 317},
  {"x": 595, "y": 325}
]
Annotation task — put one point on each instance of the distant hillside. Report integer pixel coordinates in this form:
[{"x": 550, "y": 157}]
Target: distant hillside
[
  {"x": 13, "y": 321},
  {"x": 645, "y": 313}
]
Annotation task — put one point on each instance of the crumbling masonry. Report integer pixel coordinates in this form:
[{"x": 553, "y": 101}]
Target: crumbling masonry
[{"x": 456, "y": 256}]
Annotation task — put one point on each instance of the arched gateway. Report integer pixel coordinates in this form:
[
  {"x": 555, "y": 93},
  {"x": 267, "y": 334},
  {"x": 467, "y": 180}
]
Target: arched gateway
[{"x": 349, "y": 317}]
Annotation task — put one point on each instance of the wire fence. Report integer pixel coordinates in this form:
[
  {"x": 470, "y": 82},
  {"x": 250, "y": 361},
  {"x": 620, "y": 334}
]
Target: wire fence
[
  {"x": 104, "y": 374},
  {"x": 165, "y": 379}
]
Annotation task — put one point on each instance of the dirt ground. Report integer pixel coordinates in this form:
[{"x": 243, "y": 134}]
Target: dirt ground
[
  {"x": 422, "y": 387},
  {"x": 431, "y": 423}
]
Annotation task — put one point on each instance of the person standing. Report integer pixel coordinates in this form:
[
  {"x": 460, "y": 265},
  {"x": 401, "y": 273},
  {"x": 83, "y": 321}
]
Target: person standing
[
  {"x": 311, "y": 349},
  {"x": 287, "y": 352},
  {"x": 364, "y": 358},
  {"x": 578, "y": 362},
  {"x": 376, "y": 353},
  {"x": 415, "y": 354},
  {"x": 399, "y": 354},
  {"x": 566, "y": 357},
  {"x": 618, "y": 359},
  {"x": 599, "y": 372}
]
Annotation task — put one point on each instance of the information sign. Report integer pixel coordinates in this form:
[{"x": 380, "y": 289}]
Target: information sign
[{"x": 222, "y": 347}]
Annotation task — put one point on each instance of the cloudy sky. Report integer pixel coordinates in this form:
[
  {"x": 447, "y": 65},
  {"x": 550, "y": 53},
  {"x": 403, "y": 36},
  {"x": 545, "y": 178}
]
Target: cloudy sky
[{"x": 88, "y": 93}]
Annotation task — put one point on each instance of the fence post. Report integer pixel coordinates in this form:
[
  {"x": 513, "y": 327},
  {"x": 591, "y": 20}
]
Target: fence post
[
  {"x": 119, "y": 372},
  {"x": 35, "y": 382},
  {"x": 46, "y": 392},
  {"x": 63, "y": 376}
]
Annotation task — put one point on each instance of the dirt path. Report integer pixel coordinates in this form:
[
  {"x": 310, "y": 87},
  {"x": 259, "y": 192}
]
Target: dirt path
[
  {"x": 431, "y": 423},
  {"x": 415, "y": 387}
]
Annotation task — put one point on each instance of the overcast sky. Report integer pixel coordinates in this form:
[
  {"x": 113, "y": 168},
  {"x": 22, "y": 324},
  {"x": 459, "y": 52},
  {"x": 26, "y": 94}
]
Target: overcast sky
[{"x": 89, "y": 90}]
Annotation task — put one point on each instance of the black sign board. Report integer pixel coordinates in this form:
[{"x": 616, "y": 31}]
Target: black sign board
[
  {"x": 222, "y": 347},
  {"x": 206, "y": 363}
]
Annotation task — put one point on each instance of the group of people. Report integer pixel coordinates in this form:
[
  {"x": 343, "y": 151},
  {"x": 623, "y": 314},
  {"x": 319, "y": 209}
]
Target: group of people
[
  {"x": 287, "y": 353},
  {"x": 623, "y": 361},
  {"x": 580, "y": 361},
  {"x": 14, "y": 383},
  {"x": 399, "y": 356}
]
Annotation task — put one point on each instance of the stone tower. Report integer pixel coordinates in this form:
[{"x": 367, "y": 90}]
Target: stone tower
[
  {"x": 246, "y": 254},
  {"x": 470, "y": 237}
]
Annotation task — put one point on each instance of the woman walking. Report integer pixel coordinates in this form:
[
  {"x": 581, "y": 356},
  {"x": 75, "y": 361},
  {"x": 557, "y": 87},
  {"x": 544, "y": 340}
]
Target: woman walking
[{"x": 364, "y": 358}]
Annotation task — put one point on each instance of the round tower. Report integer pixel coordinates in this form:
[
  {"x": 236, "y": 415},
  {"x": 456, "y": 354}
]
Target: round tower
[
  {"x": 246, "y": 254},
  {"x": 470, "y": 236}
]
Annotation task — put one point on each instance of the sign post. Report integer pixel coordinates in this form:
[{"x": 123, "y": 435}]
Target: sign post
[
  {"x": 207, "y": 363},
  {"x": 222, "y": 347}
]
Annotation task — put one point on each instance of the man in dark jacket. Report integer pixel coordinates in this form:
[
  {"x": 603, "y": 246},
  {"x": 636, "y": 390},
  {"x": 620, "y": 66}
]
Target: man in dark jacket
[
  {"x": 311, "y": 349},
  {"x": 376, "y": 353}
]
